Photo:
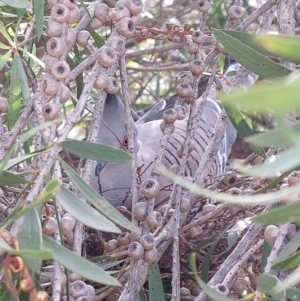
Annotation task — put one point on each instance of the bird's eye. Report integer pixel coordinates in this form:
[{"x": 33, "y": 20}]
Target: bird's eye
[{"x": 125, "y": 142}]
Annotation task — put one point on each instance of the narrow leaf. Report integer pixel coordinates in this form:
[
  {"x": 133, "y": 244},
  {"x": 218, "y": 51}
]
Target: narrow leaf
[
  {"x": 84, "y": 213},
  {"x": 156, "y": 290},
  {"x": 5, "y": 33},
  {"x": 249, "y": 57},
  {"x": 293, "y": 294},
  {"x": 286, "y": 47},
  {"x": 4, "y": 58},
  {"x": 39, "y": 16},
  {"x": 95, "y": 151},
  {"x": 33, "y": 57},
  {"x": 288, "y": 263},
  {"x": 14, "y": 107},
  {"x": 17, "y": 3},
  {"x": 78, "y": 264},
  {"x": 279, "y": 215},
  {"x": 97, "y": 200},
  {"x": 10, "y": 179},
  {"x": 267, "y": 283},
  {"x": 23, "y": 80},
  {"x": 30, "y": 237}
]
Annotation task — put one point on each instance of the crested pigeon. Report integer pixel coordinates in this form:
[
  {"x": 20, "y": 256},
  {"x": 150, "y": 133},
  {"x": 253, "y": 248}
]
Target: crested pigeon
[{"x": 113, "y": 180}]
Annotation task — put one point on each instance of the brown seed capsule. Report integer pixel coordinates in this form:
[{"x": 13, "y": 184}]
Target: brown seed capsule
[
  {"x": 71, "y": 36},
  {"x": 293, "y": 178},
  {"x": 112, "y": 85},
  {"x": 49, "y": 226},
  {"x": 65, "y": 94},
  {"x": 53, "y": 28},
  {"x": 144, "y": 33},
  {"x": 149, "y": 188},
  {"x": 83, "y": 38},
  {"x": 185, "y": 291},
  {"x": 74, "y": 16},
  {"x": 147, "y": 241},
  {"x": 139, "y": 211},
  {"x": 193, "y": 47},
  {"x": 271, "y": 233},
  {"x": 16, "y": 264},
  {"x": 254, "y": 279},
  {"x": 56, "y": 46},
  {"x": 154, "y": 219},
  {"x": 183, "y": 39},
  {"x": 78, "y": 289},
  {"x": 60, "y": 70},
  {"x": 136, "y": 250},
  {"x": 181, "y": 112},
  {"x": 101, "y": 81},
  {"x": 203, "y": 6},
  {"x": 119, "y": 11},
  {"x": 208, "y": 208},
  {"x": 235, "y": 191},
  {"x": 198, "y": 36},
  {"x": 117, "y": 43},
  {"x": 67, "y": 224},
  {"x": 124, "y": 239},
  {"x": 3, "y": 105},
  {"x": 102, "y": 12},
  {"x": 150, "y": 256},
  {"x": 26, "y": 285},
  {"x": 185, "y": 205},
  {"x": 126, "y": 27},
  {"x": 187, "y": 27},
  {"x": 235, "y": 12},
  {"x": 90, "y": 292},
  {"x": 135, "y": 6},
  {"x": 137, "y": 19},
  {"x": 185, "y": 77},
  {"x": 94, "y": 24},
  {"x": 170, "y": 115},
  {"x": 163, "y": 127},
  {"x": 50, "y": 86},
  {"x": 220, "y": 48},
  {"x": 197, "y": 67},
  {"x": 110, "y": 246},
  {"x": 209, "y": 40},
  {"x": 222, "y": 289},
  {"x": 50, "y": 111},
  {"x": 175, "y": 28},
  {"x": 230, "y": 180},
  {"x": 69, "y": 3},
  {"x": 41, "y": 296},
  {"x": 239, "y": 286},
  {"x": 107, "y": 56},
  {"x": 49, "y": 61},
  {"x": 195, "y": 231},
  {"x": 184, "y": 90},
  {"x": 60, "y": 12}
]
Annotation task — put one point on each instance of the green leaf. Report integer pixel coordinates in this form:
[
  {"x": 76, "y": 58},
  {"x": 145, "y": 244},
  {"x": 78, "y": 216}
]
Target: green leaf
[
  {"x": 267, "y": 283},
  {"x": 291, "y": 247},
  {"x": 279, "y": 164},
  {"x": 266, "y": 251},
  {"x": 249, "y": 57},
  {"x": 265, "y": 97},
  {"x": 14, "y": 107},
  {"x": 253, "y": 199},
  {"x": 78, "y": 264},
  {"x": 9, "y": 179},
  {"x": 23, "y": 80},
  {"x": 39, "y": 16},
  {"x": 288, "y": 263},
  {"x": 241, "y": 126},
  {"x": 279, "y": 215},
  {"x": 4, "y": 58},
  {"x": 30, "y": 237},
  {"x": 84, "y": 213},
  {"x": 293, "y": 294},
  {"x": 17, "y": 3},
  {"x": 33, "y": 57},
  {"x": 95, "y": 151},
  {"x": 205, "y": 288},
  {"x": 286, "y": 47},
  {"x": 22, "y": 139},
  {"x": 276, "y": 138},
  {"x": 97, "y": 200},
  {"x": 49, "y": 192},
  {"x": 156, "y": 290},
  {"x": 5, "y": 33}
]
